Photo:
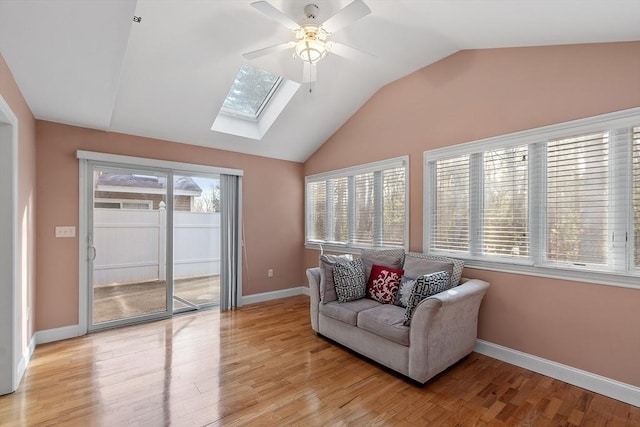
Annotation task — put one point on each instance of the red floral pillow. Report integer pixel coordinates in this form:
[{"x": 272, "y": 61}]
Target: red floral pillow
[{"x": 384, "y": 283}]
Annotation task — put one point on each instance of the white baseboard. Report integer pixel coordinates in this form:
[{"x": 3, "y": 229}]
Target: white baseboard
[
  {"x": 267, "y": 296},
  {"x": 57, "y": 334},
  {"x": 611, "y": 388},
  {"x": 24, "y": 360}
]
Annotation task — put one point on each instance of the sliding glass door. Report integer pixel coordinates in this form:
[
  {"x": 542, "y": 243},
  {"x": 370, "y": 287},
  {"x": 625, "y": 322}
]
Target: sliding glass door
[
  {"x": 128, "y": 241},
  {"x": 154, "y": 243},
  {"x": 196, "y": 242}
]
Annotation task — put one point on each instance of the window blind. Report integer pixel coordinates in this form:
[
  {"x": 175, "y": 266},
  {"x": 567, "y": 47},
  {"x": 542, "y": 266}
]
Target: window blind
[
  {"x": 363, "y": 206},
  {"x": 505, "y": 229},
  {"x": 317, "y": 210},
  {"x": 450, "y": 214},
  {"x": 561, "y": 197},
  {"x": 636, "y": 194},
  {"x": 364, "y": 210},
  {"x": 577, "y": 201},
  {"x": 394, "y": 202},
  {"x": 339, "y": 212}
]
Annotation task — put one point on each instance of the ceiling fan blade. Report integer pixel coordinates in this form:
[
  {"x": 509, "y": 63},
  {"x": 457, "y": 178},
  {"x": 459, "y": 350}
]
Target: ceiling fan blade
[
  {"x": 267, "y": 50},
  {"x": 348, "y": 51},
  {"x": 349, "y": 14},
  {"x": 309, "y": 73},
  {"x": 275, "y": 14}
]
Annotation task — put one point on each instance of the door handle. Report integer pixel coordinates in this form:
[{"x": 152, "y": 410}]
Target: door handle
[{"x": 93, "y": 252}]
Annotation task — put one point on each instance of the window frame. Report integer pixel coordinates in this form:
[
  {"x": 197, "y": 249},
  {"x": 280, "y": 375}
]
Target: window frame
[
  {"x": 377, "y": 168},
  {"x": 620, "y": 270}
]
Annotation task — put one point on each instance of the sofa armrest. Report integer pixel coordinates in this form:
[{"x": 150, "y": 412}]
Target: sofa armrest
[
  {"x": 444, "y": 328},
  {"x": 313, "y": 276}
]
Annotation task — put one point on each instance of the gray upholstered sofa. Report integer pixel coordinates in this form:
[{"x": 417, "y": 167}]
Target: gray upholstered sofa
[{"x": 442, "y": 331}]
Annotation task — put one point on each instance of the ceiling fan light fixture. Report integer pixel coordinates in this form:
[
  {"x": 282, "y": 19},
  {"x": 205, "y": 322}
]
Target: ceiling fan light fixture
[{"x": 311, "y": 46}]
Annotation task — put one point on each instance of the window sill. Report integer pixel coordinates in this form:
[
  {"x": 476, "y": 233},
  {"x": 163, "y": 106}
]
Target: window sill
[{"x": 599, "y": 278}]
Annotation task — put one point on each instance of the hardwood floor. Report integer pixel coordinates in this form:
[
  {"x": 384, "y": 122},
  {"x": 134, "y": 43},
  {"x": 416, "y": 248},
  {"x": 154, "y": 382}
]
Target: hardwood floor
[{"x": 262, "y": 365}]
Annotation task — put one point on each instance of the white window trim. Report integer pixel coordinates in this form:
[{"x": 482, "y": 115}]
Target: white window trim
[
  {"x": 402, "y": 161},
  {"x": 533, "y": 138}
]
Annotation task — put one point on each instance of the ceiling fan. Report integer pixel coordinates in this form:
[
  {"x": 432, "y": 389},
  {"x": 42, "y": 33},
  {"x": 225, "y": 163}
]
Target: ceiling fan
[{"x": 312, "y": 42}]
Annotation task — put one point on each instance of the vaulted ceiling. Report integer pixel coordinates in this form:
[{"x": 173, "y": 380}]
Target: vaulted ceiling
[{"x": 87, "y": 63}]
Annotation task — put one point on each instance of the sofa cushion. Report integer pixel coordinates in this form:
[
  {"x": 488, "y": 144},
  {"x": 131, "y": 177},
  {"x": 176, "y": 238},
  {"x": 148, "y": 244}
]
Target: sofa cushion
[
  {"x": 383, "y": 284},
  {"x": 327, "y": 285},
  {"x": 386, "y": 321},
  {"x": 350, "y": 280},
  {"x": 458, "y": 264},
  {"x": 347, "y": 312},
  {"x": 425, "y": 286},
  {"x": 391, "y": 258},
  {"x": 415, "y": 267}
]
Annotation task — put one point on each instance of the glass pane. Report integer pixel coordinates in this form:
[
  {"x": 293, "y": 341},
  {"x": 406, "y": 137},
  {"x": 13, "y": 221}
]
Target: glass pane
[
  {"x": 317, "y": 196},
  {"x": 505, "y": 230},
  {"x": 451, "y": 215},
  {"x": 364, "y": 209},
  {"x": 636, "y": 194},
  {"x": 339, "y": 216},
  {"x": 393, "y": 214},
  {"x": 128, "y": 273},
  {"x": 251, "y": 88},
  {"x": 578, "y": 199},
  {"x": 196, "y": 242}
]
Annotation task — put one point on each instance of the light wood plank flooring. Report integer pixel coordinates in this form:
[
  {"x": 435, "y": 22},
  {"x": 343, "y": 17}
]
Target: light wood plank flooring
[{"x": 262, "y": 365}]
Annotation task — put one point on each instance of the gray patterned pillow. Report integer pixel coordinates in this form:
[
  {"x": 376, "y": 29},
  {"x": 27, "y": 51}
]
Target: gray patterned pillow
[
  {"x": 327, "y": 286},
  {"x": 351, "y": 283},
  {"x": 427, "y": 285},
  {"x": 458, "y": 265}
]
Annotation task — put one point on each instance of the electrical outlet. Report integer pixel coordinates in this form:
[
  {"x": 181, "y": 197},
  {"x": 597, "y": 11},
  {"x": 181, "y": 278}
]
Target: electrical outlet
[
  {"x": 65, "y": 231},
  {"x": 270, "y": 272}
]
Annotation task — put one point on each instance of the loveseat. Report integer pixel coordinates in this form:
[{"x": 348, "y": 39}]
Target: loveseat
[{"x": 442, "y": 328}]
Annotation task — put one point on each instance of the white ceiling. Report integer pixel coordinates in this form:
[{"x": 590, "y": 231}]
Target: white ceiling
[{"x": 86, "y": 63}]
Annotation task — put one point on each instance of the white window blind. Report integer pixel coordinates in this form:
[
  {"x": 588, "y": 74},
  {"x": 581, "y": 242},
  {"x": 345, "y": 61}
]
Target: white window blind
[
  {"x": 451, "y": 205},
  {"x": 339, "y": 210},
  {"x": 394, "y": 202},
  {"x": 636, "y": 195},
  {"x": 317, "y": 201},
  {"x": 578, "y": 199},
  {"x": 364, "y": 210},
  {"x": 505, "y": 209},
  {"x": 360, "y": 207},
  {"x": 563, "y": 197}
]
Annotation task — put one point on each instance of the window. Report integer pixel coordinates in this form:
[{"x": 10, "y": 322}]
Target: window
[
  {"x": 636, "y": 196},
  {"x": 250, "y": 92},
  {"x": 563, "y": 197},
  {"x": 360, "y": 207},
  {"x": 254, "y": 102}
]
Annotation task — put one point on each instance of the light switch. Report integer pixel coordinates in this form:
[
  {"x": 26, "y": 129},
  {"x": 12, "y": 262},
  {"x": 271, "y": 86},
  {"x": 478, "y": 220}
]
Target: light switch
[{"x": 65, "y": 231}]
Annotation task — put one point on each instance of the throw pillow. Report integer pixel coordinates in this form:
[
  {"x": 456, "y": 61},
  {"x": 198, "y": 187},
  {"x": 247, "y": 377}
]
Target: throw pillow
[
  {"x": 350, "y": 280},
  {"x": 415, "y": 267},
  {"x": 404, "y": 291},
  {"x": 383, "y": 284},
  {"x": 327, "y": 285},
  {"x": 391, "y": 258},
  {"x": 458, "y": 264},
  {"x": 425, "y": 286}
]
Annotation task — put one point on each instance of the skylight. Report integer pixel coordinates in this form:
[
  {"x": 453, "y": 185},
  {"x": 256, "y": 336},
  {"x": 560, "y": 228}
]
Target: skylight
[
  {"x": 251, "y": 91},
  {"x": 254, "y": 102}
]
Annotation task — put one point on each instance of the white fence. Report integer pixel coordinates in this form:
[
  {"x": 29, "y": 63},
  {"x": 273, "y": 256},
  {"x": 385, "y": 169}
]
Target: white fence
[{"x": 130, "y": 245}]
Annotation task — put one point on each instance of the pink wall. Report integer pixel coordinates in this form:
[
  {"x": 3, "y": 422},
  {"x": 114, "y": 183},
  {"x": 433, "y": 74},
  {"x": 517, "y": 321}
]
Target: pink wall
[
  {"x": 482, "y": 93},
  {"x": 26, "y": 198},
  {"x": 272, "y": 208}
]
